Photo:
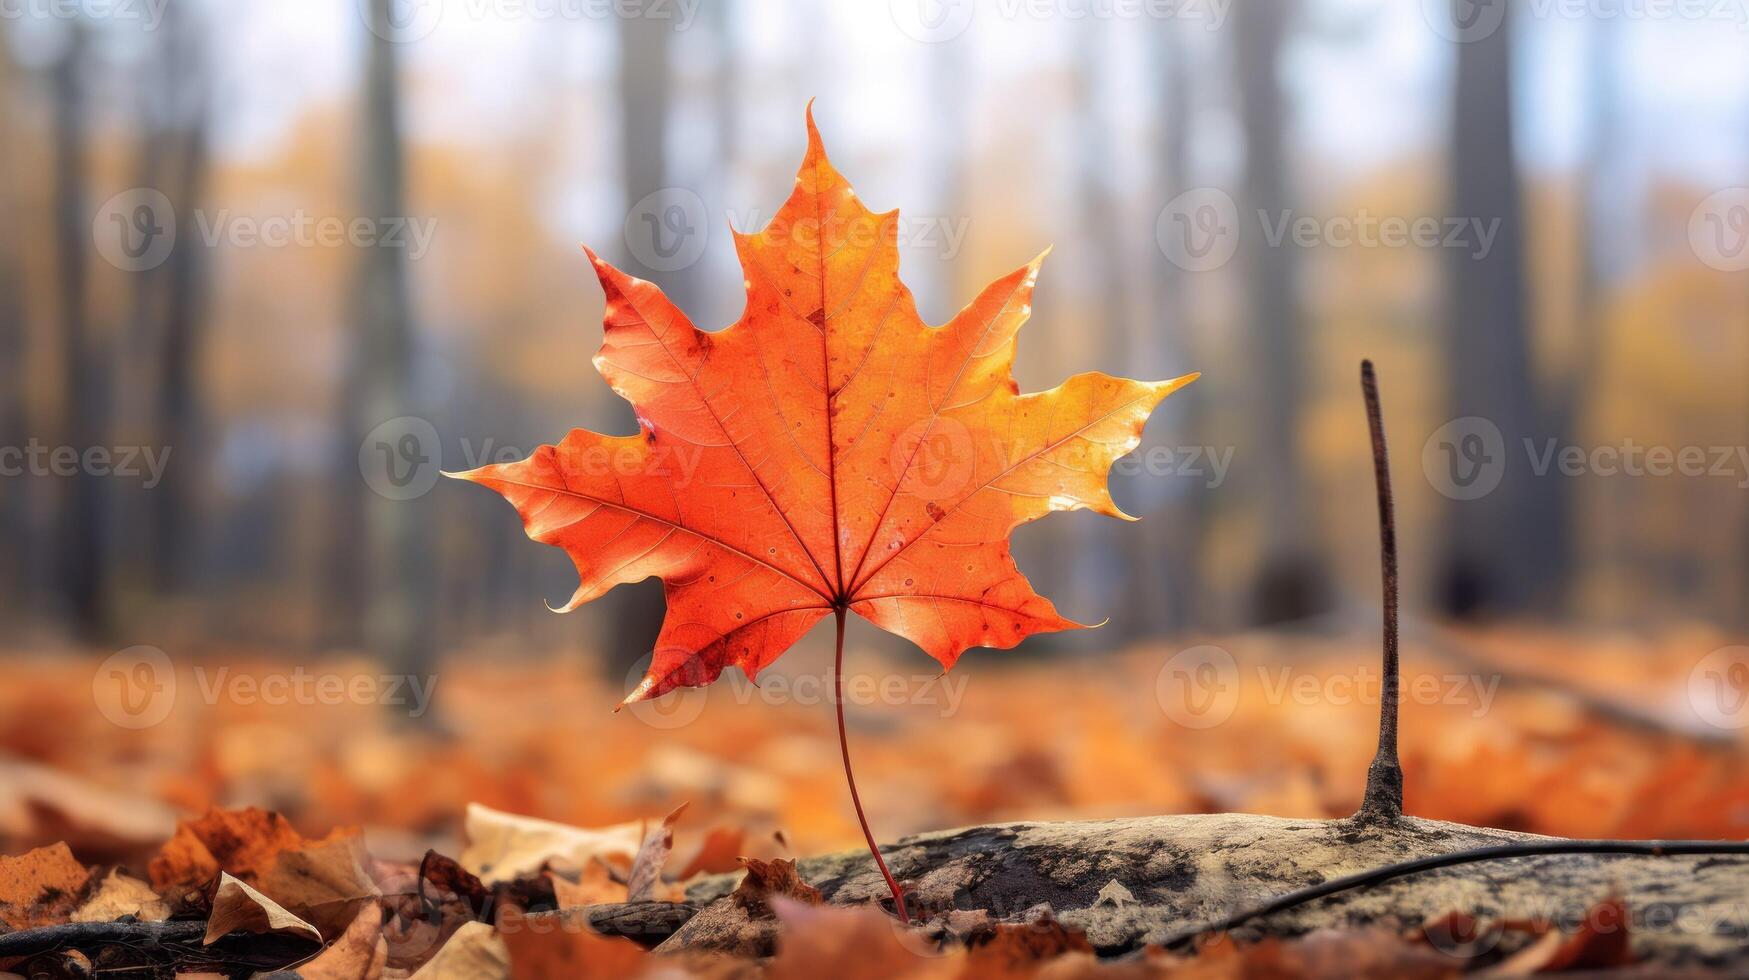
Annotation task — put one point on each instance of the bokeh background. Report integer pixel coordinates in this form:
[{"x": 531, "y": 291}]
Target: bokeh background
[{"x": 282, "y": 262}]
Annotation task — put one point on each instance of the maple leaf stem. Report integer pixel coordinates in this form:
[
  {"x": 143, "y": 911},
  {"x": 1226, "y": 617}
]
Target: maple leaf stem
[
  {"x": 1383, "y": 801},
  {"x": 849, "y": 777}
]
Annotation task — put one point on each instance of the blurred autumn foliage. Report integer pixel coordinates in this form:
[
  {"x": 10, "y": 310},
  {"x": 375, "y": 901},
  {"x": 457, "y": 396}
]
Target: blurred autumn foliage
[{"x": 1512, "y": 736}]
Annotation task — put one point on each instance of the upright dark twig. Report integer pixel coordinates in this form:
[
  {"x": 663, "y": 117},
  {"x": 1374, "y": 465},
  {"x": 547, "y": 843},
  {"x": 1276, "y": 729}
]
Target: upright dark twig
[{"x": 1384, "y": 778}]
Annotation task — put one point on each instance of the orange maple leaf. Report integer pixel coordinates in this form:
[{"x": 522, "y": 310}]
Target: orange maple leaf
[{"x": 829, "y": 451}]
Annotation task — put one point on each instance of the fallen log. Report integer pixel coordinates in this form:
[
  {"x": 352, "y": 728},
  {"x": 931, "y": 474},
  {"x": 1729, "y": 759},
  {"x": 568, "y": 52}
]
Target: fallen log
[{"x": 1174, "y": 875}]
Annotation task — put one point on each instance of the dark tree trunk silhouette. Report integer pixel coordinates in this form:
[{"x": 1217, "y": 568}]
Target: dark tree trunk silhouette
[
  {"x": 15, "y": 512},
  {"x": 1289, "y": 583},
  {"x": 1502, "y": 550},
  {"x": 80, "y": 537},
  {"x": 178, "y": 414},
  {"x": 1167, "y": 556},
  {"x": 381, "y": 567}
]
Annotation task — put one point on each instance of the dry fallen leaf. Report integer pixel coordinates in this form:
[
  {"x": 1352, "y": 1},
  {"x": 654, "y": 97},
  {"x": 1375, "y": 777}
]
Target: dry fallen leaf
[
  {"x": 503, "y": 846},
  {"x": 1014, "y": 947},
  {"x": 239, "y": 908},
  {"x": 325, "y": 881},
  {"x": 1361, "y": 954},
  {"x": 121, "y": 895},
  {"x": 40, "y": 887},
  {"x": 860, "y": 943},
  {"x": 242, "y": 842},
  {"x": 561, "y": 944},
  {"x": 594, "y": 886},
  {"x": 645, "y": 878},
  {"x": 39, "y": 804},
  {"x": 359, "y": 954},
  {"x": 474, "y": 952},
  {"x": 766, "y": 880},
  {"x": 717, "y": 853},
  {"x": 1601, "y": 942},
  {"x": 322, "y": 881},
  {"x": 830, "y": 451}
]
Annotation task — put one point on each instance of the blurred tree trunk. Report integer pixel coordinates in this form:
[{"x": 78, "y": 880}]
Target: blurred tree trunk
[
  {"x": 1290, "y": 582},
  {"x": 81, "y": 534},
  {"x": 646, "y": 98},
  {"x": 1098, "y": 560},
  {"x": 381, "y": 566},
  {"x": 16, "y": 577},
  {"x": 177, "y": 412},
  {"x": 1169, "y": 562},
  {"x": 1594, "y": 208},
  {"x": 1502, "y": 550}
]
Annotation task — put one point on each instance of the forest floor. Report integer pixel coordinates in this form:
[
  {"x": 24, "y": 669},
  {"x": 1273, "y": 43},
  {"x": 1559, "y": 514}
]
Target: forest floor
[{"x": 1521, "y": 730}]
